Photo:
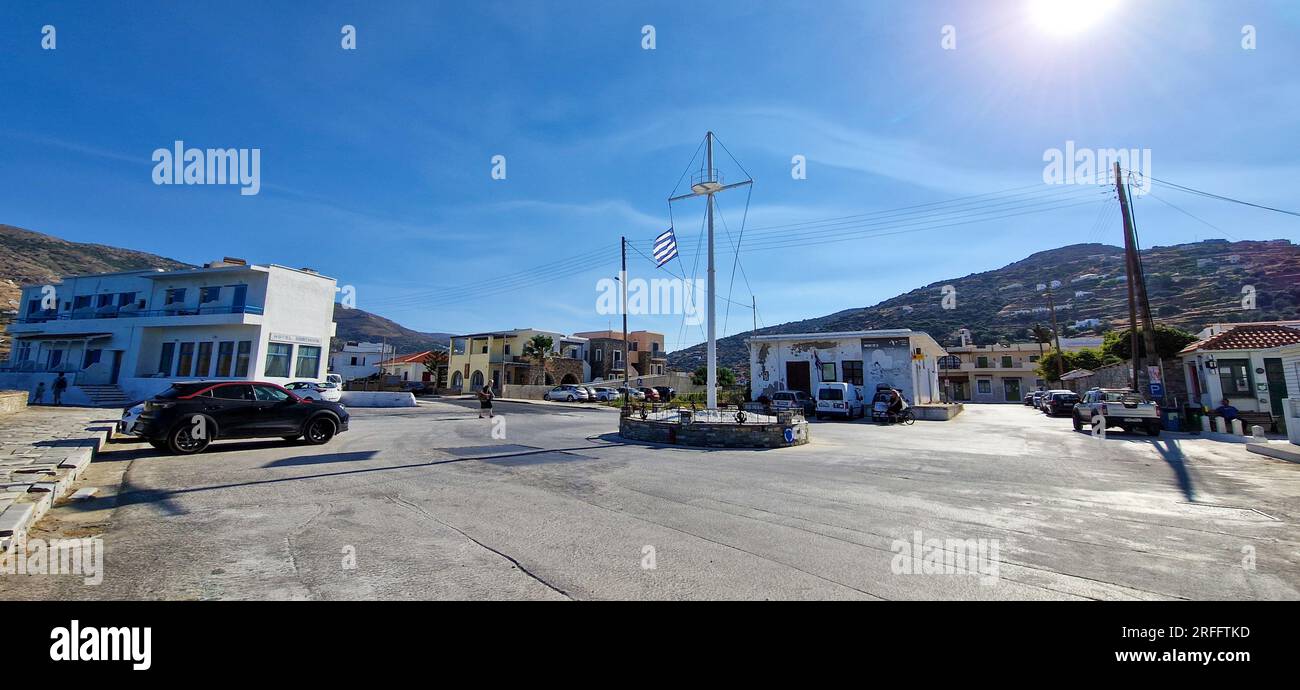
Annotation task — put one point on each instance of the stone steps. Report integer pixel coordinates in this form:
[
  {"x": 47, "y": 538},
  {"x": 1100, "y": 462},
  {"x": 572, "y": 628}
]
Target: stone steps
[
  {"x": 34, "y": 476},
  {"x": 105, "y": 395}
]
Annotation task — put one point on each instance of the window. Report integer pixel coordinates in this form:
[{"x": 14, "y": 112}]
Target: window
[
  {"x": 225, "y": 358},
  {"x": 125, "y": 298},
  {"x": 104, "y": 300},
  {"x": 92, "y": 357},
  {"x": 175, "y": 296},
  {"x": 600, "y": 355},
  {"x": 654, "y": 347},
  {"x": 241, "y": 358},
  {"x": 209, "y": 294},
  {"x": 165, "y": 359},
  {"x": 203, "y": 365},
  {"x": 982, "y": 362},
  {"x": 1006, "y": 362},
  {"x": 24, "y": 352},
  {"x": 33, "y": 306},
  {"x": 238, "y": 392},
  {"x": 308, "y": 365},
  {"x": 1033, "y": 358},
  {"x": 853, "y": 371},
  {"x": 618, "y": 355},
  {"x": 81, "y": 301},
  {"x": 269, "y": 393},
  {"x": 354, "y": 361},
  {"x": 186, "y": 363},
  {"x": 634, "y": 343},
  {"x": 1234, "y": 377},
  {"x": 828, "y": 371},
  {"x": 984, "y": 386},
  {"x": 507, "y": 350},
  {"x": 56, "y": 357},
  {"x": 277, "y": 359}
]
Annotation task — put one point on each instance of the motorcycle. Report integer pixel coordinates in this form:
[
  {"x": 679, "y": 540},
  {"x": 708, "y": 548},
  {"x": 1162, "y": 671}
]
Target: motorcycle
[{"x": 881, "y": 412}]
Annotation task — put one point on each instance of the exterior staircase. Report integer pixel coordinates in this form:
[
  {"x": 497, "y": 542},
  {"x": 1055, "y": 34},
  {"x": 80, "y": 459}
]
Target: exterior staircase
[{"x": 105, "y": 395}]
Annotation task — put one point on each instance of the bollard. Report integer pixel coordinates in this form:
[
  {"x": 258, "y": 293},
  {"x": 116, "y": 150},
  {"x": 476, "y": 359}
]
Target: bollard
[
  {"x": 1258, "y": 432},
  {"x": 1205, "y": 424},
  {"x": 1236, "y": 428}
]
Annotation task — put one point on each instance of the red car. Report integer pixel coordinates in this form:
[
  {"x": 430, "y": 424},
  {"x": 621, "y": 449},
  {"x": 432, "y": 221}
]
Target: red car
[{"x": 651, "y": 395}]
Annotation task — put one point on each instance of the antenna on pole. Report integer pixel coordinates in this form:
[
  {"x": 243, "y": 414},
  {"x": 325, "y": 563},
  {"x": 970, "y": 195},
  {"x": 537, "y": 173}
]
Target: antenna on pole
[{"x": 706, "y": 183}]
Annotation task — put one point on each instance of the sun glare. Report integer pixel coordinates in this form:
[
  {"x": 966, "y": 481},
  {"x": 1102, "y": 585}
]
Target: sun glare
[{"x": 1068, "y": 17}]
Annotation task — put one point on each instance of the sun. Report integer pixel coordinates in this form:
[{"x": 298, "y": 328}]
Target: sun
[{"x": 1069, "y": 17}]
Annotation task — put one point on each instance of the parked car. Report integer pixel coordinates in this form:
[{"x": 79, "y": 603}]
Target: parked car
[
  {"x": 651, "y": 395},
  {"x": 188, "y": 416},
  {"x": 635, "y": 394},
  {"x": 1047, "y": 398},
  {"x": 567, "y": 393},
  {"x": 310, "y": 390},
  {"x": 604, "y": 394},
  {"x": 1119, "y": 407},
  {"x": 840, "y": 400},
  {"x": 336, "y": 379},
  {"x": 666, "y": 393},
  {"x": 591, "y": 393},
  {"x": 1059, "y": 404},
  {"x": 130, "y": 416},
  {"x": 794, "y": 400},
  {"x": 1028, "y": 400},
  {"x": 1037, "y": 398}
]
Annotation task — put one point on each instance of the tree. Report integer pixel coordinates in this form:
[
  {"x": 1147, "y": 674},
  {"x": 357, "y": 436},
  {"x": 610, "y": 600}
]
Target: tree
[
  {"x": 538, "y": 349},
  {"x": 726, "y": 377},
  {"x": 1041, "y": 336},
  {"x": 433, "y": 363},
  {"x": 1169, "y": 341}
]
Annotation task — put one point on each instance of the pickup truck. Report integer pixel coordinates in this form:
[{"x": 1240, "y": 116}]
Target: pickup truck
[{"x": 1120, "y": 408}]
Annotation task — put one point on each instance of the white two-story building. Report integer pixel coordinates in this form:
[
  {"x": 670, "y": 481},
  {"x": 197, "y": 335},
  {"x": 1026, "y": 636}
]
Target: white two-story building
[{"x": 128, "y": 335}]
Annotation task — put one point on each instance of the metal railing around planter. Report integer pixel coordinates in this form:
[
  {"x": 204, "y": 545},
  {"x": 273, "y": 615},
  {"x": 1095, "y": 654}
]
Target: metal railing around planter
[{"x": 749, "y": 413}]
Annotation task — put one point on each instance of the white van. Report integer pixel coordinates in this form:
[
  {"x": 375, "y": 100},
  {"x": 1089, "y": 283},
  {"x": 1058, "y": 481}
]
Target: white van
[{"x": 836, "y": 399}]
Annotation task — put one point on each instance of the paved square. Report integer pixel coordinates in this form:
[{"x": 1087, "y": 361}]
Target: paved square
[{"x": 427, "y": 504}]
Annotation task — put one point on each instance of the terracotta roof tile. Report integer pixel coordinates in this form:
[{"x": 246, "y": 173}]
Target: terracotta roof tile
[{"x": 1248, "y": 338}]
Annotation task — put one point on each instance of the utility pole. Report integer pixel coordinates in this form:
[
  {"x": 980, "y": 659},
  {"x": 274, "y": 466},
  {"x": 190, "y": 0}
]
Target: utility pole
[
  {"x": 708, "y": 185},
  {"x": 622, "y": 281},
  {"x": 1137, "y": 287},
  {"x": 1056, "y": 332}
]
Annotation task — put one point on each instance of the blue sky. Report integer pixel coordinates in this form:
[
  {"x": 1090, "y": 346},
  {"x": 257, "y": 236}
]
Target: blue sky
[{"x": 375, "y": 163}]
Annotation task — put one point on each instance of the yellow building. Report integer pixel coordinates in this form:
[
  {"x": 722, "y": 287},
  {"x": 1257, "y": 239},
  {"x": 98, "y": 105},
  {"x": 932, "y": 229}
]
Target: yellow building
[{"x": 478, "y": 358}]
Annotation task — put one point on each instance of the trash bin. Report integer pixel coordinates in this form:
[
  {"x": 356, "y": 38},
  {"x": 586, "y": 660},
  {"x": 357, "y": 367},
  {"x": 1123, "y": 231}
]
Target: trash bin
[
  {"x": 1173, "y": 419},
  {"x": 1192, "y": 416}
]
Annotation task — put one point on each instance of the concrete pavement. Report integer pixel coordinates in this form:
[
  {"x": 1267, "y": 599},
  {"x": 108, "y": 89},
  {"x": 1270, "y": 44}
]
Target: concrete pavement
[{"x": 546, "y": 502}]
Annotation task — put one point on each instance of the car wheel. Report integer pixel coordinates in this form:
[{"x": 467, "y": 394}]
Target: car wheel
[
  {"x": 181, "y": 441},
  {"x": 319, "y": 430},
  {"x": 1078, "y": 425},
  {"x": 569, "y": 399}
]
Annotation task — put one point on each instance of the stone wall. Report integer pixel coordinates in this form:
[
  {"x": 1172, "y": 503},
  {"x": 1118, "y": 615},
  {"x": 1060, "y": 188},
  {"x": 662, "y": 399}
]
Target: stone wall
[
  {"x": 1121, "y": 374},
  {"x": 12, "y": 401},
  {"x": 710, "y": 435}
]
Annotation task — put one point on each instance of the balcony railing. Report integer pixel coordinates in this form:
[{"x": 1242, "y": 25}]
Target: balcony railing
[{"x": 175, "y": 310}]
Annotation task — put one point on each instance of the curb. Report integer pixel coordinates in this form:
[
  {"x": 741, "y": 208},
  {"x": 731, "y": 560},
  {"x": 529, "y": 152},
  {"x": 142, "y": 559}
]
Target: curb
[{"x": 23, "y": 504}]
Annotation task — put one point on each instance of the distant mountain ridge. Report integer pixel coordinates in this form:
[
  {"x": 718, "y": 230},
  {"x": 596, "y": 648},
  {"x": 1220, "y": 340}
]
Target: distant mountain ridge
[
  {"x": 33, "y": 258},
  {"x": 1189, "y": 286}
]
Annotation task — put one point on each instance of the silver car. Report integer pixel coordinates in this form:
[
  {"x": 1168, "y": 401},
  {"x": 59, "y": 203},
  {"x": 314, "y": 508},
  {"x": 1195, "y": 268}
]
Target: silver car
[{"x": 568, "y": 393}]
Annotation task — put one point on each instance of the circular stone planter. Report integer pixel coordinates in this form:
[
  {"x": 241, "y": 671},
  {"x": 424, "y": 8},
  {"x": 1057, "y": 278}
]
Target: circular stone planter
[{"x": 788, "y": 430}]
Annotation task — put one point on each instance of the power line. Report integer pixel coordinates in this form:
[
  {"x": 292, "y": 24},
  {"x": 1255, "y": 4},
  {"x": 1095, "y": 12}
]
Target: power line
[{"x": 1220, "y": 197}]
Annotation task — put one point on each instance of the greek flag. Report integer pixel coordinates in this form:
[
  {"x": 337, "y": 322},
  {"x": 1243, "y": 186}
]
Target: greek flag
[{"x": 665, "y": 248}]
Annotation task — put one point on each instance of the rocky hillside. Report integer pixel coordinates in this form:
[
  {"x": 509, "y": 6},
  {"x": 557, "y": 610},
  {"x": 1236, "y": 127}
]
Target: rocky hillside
[
  {"x": 33, "y": 258},
  {"x": 1189, "y": 285}
]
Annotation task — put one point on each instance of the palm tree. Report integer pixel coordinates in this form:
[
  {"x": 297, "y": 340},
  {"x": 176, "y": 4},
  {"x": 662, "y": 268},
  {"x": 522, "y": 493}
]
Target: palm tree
[{"x": 538, "y": 349}]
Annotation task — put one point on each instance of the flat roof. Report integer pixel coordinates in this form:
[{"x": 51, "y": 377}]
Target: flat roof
[{"x": 884, "y": 333}]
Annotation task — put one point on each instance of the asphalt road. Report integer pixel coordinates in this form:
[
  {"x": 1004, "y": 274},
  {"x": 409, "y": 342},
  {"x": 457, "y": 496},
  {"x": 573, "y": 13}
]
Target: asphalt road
[{"x": 430, "y": 503}]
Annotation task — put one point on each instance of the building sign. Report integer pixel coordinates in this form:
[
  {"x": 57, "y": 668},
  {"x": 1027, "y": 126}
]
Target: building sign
[
  {"x": 876, "y": 343},
  {"x": 300, "y": 339}
]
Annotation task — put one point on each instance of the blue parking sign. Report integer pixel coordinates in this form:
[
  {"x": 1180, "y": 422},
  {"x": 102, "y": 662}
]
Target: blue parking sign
[{"x": 1157, "y": 391}]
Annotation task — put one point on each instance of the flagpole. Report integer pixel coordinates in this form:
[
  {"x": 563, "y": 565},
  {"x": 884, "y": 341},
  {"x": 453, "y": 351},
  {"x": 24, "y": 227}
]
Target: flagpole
[
  {"x": 711, "y": 396},
  {"x": 622, "y": 279}
]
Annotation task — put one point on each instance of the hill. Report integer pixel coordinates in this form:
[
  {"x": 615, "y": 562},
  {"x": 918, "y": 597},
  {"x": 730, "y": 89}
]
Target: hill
[
  {"x": 33, "y": 258},
  {"x": 1189, "y": 285}
]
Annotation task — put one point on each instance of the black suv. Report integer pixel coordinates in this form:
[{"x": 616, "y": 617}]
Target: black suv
[
  {"x": 185, "y": 418},
  {"x": 1060, "y": 404}
]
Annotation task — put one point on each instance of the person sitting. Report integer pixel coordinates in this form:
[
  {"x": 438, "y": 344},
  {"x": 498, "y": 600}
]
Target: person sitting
[
  {"x": 896, "y": 403},
  {"x": 1226, "y": 410}
]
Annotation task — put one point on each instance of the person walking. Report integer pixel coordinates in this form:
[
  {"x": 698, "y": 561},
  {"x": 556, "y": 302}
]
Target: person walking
[
  {"x": 485, "y": 402},
  {"x": 60, "y": 385},
  {"x": 38, "y": 396}
]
